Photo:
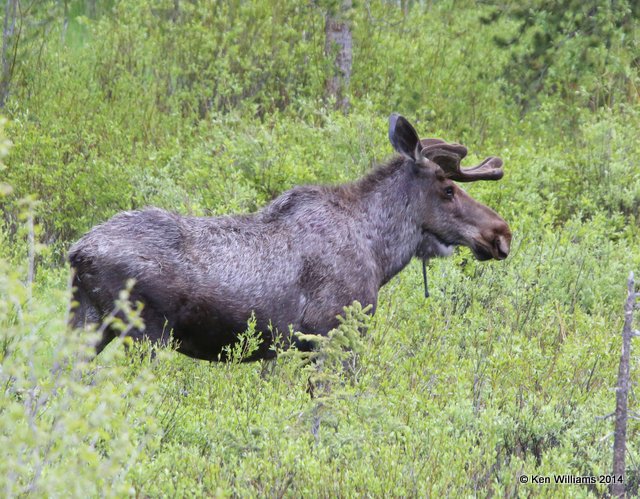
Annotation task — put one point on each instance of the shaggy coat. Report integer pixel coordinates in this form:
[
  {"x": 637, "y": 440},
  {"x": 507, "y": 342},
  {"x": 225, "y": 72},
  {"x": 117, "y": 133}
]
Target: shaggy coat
[{"x": 294, "y": 264}]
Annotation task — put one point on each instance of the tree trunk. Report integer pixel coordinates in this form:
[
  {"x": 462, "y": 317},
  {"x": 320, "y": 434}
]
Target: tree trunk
[
  {"x": 339, "y": 48},
  {"x": 91, "y": 10},
  {"x": 622, "y": 394},
  {"x": 65, "y": 20},
  {"x": 9, "y": 42}
]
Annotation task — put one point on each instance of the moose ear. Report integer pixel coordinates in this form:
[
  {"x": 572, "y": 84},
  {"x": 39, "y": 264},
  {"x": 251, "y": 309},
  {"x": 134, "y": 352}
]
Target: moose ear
[{"x": 404, "y": 138}]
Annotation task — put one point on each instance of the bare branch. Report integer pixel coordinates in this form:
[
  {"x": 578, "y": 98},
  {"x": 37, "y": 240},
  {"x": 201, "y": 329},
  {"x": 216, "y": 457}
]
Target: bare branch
[
  {"x": 605, "y": 417},
  {"x": 622, "y": 392},
  {"x": 9, "y": 46},
  {"x": 607, "y": 436}
]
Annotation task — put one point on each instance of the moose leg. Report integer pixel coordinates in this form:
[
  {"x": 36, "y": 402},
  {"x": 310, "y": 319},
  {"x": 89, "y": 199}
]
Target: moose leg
[
  {"x": 91, "y": 307},
  {"x": 85, "y": 312},
  {"x": 83, "y": 309},
  {"x": 107, "y": 336},
  {"x": 156, "y": 330}
]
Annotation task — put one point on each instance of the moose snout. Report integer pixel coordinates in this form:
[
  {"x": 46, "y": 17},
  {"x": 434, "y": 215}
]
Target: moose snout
[
  {"x": 501, "y": 245},
  {"x": 500, "y": 241},
  {"x": 495, "y": 242}
]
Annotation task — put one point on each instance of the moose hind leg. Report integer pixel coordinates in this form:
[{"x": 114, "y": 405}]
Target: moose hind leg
[
  {"x": 107, "y": 336},
  {"x": 85, "y": 312},
  {"x": 156, "y": 330}
]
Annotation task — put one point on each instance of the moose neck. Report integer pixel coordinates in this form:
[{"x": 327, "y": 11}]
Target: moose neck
[{"x": 387, "y": 199}]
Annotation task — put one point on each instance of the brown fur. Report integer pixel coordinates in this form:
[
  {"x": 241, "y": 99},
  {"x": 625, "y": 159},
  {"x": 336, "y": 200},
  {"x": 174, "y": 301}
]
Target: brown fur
[{"x": 296, "y": 263}]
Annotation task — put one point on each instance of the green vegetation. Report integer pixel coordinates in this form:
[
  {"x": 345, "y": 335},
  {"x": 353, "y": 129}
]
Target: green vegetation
[{"x": 216, "y": 107}]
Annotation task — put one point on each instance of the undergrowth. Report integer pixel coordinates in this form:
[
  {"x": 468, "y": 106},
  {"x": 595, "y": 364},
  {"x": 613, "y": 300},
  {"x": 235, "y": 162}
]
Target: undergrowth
[{"x": 203, "y": 108}]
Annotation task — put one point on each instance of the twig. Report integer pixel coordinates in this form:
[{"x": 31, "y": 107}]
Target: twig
[
  {"x": 610, "y": 434},
  {"x": 607, "y": 416},
  {"x": 622, "y": 393},
  {"x": 32, "y": 254}
]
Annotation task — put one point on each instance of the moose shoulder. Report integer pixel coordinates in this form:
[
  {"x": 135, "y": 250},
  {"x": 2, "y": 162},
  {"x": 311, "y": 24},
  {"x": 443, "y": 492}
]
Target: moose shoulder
[{"x": 297, "y": 262}]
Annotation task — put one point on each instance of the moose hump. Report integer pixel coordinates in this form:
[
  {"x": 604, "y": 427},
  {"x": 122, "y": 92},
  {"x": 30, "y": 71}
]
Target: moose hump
[{"x": 295, "y": 264}]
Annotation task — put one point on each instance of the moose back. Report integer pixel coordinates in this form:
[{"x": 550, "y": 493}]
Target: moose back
[{"x": 294, "y": 264}]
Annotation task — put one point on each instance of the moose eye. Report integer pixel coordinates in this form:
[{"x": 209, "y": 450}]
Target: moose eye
[{"x": 448, "y": 192}]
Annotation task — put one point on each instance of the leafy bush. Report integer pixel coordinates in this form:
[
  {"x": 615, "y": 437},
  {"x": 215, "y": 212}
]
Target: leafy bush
[
  {"x": 210, "y": 108},
  {"x": 582, "y": 50}
]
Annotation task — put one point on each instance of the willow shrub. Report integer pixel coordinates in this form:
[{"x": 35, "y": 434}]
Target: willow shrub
[{"x": 506, "y": 369}]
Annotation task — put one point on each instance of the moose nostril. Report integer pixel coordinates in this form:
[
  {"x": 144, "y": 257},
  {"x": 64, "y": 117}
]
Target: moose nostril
[{"x": 501, "y": 246}]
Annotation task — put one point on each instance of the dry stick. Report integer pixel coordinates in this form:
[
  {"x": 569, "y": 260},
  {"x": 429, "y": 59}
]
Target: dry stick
[
  {"x": 622, "y": 393},
  {"x": 8, "y": 33},
  {"x": 32, "y": 254}
]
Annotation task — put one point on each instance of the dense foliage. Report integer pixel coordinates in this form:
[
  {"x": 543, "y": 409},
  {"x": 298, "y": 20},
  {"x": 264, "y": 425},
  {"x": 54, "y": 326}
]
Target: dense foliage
[{"x": 216, "y": 107}]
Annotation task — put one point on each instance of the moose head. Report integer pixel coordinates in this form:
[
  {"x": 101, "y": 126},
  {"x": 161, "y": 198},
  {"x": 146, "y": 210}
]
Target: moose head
[
  {"x": 449, "y": 216},
  {"x": 293, "y": 265}
]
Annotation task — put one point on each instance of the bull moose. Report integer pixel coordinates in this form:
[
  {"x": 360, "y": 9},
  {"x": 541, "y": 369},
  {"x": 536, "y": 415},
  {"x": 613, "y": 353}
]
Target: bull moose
[{"x": 297, "y": 262}]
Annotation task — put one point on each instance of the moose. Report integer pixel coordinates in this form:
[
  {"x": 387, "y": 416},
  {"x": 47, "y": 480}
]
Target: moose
[{"x": 296, "y": 263}]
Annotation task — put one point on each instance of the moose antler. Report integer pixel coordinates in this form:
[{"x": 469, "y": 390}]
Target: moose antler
[{"x": 448, "y": 157}]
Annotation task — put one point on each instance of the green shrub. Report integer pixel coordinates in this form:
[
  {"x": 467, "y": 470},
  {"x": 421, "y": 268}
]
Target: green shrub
[{"x": 209, "y": 108}]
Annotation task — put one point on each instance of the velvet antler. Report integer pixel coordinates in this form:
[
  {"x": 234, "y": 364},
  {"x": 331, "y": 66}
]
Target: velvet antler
[{"x": 448, "y": 157}]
